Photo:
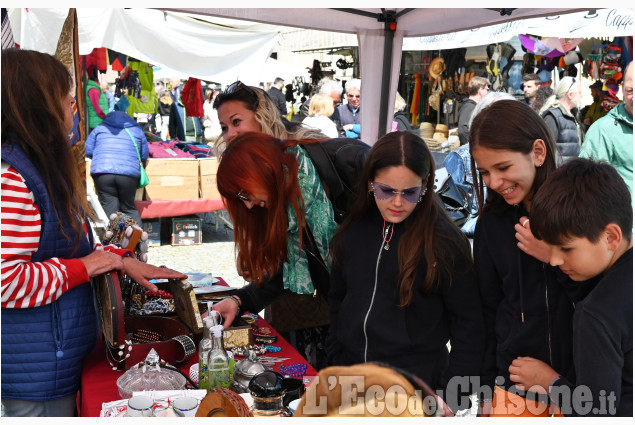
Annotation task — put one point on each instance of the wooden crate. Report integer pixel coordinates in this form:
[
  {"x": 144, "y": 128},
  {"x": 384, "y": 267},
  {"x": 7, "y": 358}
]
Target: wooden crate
[{"x": 172, "y": 179}]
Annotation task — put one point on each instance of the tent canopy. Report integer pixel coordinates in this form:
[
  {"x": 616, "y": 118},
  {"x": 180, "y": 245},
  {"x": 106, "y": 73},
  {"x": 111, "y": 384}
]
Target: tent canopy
[
  {"x": 186, "y": 40},
  {"x": 379, "y": 47}
]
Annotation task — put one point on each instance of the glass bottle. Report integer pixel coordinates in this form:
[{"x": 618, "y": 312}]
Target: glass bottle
[
  {"x": 218, "y": 360},
  {"x": 204, "y": 348}
]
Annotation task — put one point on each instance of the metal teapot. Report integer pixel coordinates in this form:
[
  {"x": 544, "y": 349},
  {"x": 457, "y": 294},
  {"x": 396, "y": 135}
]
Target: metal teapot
[{"x": 244, "y": 370}]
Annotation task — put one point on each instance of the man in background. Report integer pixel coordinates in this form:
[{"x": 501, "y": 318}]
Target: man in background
[
  {"x": 595, "y": 110},
  {"x": 611, "y": 137},
  {"x": 275, "y": 92},
  {"x": 476, "y": 89},
  {"x": 176, "y": 89},
  {"x": 349, "y": 113},
  {"x": 531, "y": 82}
]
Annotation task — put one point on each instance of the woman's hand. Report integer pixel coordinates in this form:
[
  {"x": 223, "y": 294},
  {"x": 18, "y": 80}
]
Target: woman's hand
[
  {"x": 529, "y": 244},
  {"x": 142, "y": 272},
  {"x": 347, "y": 127},
  {"x": 100, "y": 262},
  {"x": 531, "y": 374},
  {"x": 228, "y": 309}
]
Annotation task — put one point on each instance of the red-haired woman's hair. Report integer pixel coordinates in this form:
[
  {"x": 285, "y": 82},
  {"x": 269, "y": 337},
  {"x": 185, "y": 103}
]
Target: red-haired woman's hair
[{"x": 257, "y": 163}]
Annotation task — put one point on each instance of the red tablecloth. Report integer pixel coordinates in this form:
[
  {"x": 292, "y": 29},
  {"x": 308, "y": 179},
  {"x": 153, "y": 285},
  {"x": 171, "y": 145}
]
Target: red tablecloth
[
  {"x": 99, "y": 381},
  {"x": 154, "y": 209}
]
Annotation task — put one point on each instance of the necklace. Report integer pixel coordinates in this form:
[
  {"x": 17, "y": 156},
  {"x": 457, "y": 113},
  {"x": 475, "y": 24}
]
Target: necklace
[{"x": 385, "y": 233}]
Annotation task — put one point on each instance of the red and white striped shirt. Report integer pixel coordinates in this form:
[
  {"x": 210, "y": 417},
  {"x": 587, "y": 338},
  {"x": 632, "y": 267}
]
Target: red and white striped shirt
[{"x": 27, "y": 284}]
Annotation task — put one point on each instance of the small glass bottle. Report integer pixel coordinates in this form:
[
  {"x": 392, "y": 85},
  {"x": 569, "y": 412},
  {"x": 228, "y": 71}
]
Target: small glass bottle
[
  {"x": 204, "y": 348},
  {"x": 218, "y": 360}
]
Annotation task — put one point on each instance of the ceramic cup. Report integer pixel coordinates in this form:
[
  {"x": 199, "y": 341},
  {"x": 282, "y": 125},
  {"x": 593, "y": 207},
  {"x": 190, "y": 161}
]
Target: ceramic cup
[
  {"x": 294, "y": 390},
  {"x": 140, "y": 405},
  {"x": 185, "y": 406}
]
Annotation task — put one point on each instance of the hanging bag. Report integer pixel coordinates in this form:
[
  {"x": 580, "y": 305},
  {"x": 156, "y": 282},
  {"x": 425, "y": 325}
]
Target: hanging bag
[{"x": 143, "y": 177}]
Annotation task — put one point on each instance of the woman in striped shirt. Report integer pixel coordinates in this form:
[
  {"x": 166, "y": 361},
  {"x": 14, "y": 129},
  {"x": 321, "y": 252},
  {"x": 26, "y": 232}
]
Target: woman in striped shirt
[{"x": 48, "y": 254}]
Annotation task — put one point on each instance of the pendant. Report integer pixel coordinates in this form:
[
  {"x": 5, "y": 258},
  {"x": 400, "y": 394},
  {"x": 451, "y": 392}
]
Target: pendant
[{"x": 387, "y": 246}]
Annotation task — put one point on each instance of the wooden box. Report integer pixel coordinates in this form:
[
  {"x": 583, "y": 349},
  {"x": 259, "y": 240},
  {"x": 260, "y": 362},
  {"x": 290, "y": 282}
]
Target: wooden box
[
  {"x": 129, "y": 339},
  {"x": 239, "y": 334},
  {"x": 172, "y": 179},
  {"x": 207, "y": 178}
]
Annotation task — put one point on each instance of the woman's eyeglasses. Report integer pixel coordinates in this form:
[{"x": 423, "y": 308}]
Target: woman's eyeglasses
[
  {"x": 233, "y": 88},
  {"x": 240, "y": 195},
  {"x": 383, "y": 192}
]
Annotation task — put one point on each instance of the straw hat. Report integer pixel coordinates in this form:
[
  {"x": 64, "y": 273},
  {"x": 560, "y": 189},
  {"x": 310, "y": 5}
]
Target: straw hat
[
  {"x": 439, "y": 136},
  {"x": 426, "y": 133},
  {"x": 441, "y": 128},
  {"x": 426, "y": 124},
  {"x": 436, "y": 67}
]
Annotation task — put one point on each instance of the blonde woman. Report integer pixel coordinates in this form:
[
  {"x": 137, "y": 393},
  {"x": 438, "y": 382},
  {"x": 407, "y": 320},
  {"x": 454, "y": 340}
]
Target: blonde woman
[
  {"x": 242, "y": 108},
  {"x": 320, "y": 109}
]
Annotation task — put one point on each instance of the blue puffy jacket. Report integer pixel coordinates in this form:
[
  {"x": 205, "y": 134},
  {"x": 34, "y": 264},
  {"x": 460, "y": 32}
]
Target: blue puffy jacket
[{"x": 111, "y": 148}]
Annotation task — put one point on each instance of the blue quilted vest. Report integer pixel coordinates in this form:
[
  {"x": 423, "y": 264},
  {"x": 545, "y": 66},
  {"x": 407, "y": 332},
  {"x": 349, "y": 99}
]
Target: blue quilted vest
[{"x": 43, "y": 348}]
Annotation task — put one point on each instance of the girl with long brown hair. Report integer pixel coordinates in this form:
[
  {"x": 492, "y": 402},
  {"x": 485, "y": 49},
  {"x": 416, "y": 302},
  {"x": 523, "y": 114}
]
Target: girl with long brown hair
[{"x": 402, "y": 282}]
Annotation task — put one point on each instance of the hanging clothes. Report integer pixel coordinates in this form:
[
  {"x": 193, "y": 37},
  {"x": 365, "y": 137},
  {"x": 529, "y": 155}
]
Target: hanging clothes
[
  {"x": 117, "y": 61},
  {"x": 147, "y": 101},
  {"x": 414, "y": 106},
  {"x": 192, "y": 97}
]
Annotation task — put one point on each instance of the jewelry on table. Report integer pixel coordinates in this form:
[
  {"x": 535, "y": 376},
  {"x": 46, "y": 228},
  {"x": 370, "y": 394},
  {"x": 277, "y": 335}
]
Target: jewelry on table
[{"x": 295, "y": 370}]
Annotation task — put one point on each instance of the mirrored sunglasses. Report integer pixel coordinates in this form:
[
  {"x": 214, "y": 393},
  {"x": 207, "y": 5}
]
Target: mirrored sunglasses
[{"x": 383, "y": 192}]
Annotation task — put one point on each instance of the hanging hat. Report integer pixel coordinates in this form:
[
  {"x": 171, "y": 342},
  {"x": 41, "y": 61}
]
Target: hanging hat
[
  {"x": 545, "y": 76},
  {"x": 436, "y": 67},
  {"x": 572, "y": 57}
]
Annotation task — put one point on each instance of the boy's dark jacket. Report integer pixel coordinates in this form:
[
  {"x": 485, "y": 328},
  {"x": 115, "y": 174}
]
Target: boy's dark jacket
[
  {"x": 603, "y": 342},
  {"x": 527, "y": 304}
]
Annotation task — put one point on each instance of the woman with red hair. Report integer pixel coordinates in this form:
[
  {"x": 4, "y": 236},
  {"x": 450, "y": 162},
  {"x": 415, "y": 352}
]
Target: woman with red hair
[{"x": 277, "y": 203}]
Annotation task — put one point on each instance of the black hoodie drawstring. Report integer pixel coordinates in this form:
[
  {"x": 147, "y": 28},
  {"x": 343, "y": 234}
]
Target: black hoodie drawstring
[{"x": 520, "y": 275}]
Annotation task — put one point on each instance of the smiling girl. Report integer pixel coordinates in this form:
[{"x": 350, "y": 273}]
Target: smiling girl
[{"x": 526, "y": 308}]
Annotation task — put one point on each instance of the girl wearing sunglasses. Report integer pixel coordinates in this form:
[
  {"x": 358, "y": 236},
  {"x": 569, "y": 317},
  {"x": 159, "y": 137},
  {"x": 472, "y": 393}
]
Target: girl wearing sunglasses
[{"x": 402, "y": 283}]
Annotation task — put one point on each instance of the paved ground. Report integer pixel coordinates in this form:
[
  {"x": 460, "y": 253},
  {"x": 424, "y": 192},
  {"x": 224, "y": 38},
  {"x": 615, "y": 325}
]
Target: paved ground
[{"x": 215, "y": 255}]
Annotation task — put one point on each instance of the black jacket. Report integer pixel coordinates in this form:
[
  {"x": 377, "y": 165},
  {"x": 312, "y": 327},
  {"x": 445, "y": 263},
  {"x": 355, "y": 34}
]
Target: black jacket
[
  {"x": 527, "y": 304},
  {"x": 603, "y": 343},
  {"x": 279, "y": 100},
  {"x": 363, "y": 303},
  {"x": 466, "y": 107}
]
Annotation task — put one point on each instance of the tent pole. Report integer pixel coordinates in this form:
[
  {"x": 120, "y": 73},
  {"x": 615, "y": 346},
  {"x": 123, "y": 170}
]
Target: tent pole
[{"x": 385, "y": 82}]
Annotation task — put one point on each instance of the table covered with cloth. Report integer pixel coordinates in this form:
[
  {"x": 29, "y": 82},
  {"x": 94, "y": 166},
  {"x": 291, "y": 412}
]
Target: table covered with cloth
[{"x": 99, "y": 380}]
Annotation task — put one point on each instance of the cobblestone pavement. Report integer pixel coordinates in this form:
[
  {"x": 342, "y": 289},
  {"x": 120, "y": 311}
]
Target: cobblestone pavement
[{"x": 215, "y": 255}]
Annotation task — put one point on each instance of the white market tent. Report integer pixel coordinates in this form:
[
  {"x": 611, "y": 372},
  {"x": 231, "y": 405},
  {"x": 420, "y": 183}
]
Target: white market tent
[
  {"x": 380, "y": 33},
  {"x": 189, "y": 41}
]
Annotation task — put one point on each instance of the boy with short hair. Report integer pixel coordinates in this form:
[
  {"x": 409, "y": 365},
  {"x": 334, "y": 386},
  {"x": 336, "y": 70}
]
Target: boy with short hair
[{"x": 584, "y": 212}]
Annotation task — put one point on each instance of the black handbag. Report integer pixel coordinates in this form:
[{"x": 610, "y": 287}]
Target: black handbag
[{"x": 455, "y": 200}]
